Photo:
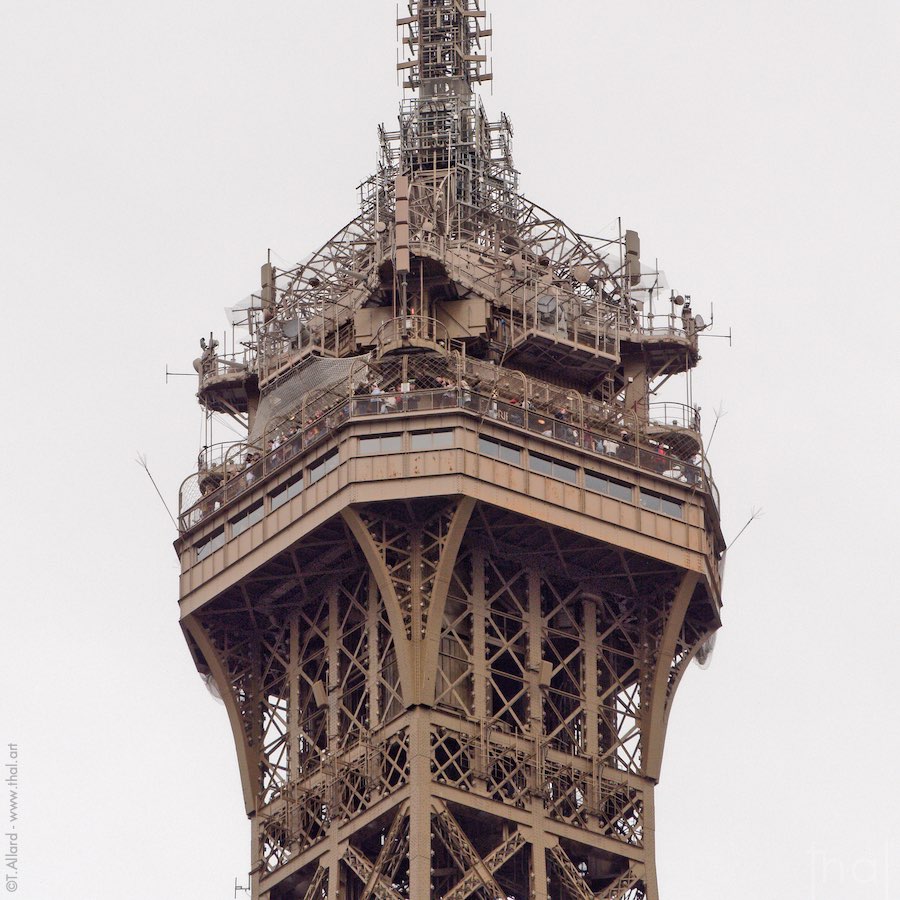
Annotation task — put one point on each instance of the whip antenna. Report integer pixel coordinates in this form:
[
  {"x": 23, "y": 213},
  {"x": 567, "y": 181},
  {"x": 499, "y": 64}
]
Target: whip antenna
[{"x": 142, "y": 462}]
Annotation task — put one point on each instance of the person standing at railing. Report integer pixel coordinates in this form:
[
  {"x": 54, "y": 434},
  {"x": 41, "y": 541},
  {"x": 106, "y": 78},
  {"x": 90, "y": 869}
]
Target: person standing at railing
[
  {"x": 625, "y": 451},
  {"x": 249, "y": 474},
  {"x": 566, "y": 432},
  {"x": 515, "y": 414},
  {"x": 466, "y": 389},
  {"x": 662, "y": 463},
  {"x": 448, "y": 396},
  {"x": 378, "y": 393},
  {"x": 688, "y": 320}
]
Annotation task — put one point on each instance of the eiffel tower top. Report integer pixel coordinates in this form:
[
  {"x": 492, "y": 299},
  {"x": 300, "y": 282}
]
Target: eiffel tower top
[{"x": 443, "y": 42}]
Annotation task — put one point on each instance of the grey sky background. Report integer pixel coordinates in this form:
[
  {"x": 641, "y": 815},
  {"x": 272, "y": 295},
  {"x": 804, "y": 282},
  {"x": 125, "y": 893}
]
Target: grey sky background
[{"x": 152, "y": 152}]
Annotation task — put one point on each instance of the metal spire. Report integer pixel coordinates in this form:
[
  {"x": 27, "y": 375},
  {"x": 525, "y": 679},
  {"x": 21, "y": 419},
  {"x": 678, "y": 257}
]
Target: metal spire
[{"x": 442, "y": 41}]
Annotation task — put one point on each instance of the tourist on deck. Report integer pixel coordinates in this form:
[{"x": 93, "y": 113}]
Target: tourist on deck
[
  {"x": 378, "y": 393},
  {"x": 466, "y": 389},
  {"x": 515, "y": 414},
  {"x": 625, "y": 451},
  {"x": 249, "y": 473}
]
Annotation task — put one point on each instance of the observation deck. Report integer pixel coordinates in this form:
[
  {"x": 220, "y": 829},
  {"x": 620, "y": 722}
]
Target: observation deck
[{"x": 489, "y": 434}]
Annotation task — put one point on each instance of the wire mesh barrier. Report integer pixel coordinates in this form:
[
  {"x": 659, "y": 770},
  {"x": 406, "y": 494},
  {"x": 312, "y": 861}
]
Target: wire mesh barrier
[{"x": 400, "y": 386}]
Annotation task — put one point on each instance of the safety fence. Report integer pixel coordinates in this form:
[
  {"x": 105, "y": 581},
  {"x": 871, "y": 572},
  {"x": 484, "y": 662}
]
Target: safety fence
[{"x": 227, "y": 472}]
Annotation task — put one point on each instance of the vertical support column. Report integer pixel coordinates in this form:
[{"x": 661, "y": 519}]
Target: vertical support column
[
  {"x": 374, "y": 655},
  {"x": 255, "y": 872},
  {"x": 293, "y": 689},
  {"x": 336, "y": 889},
  {"x": 538, "y": 867},
  {"x": 420, "y": 804},
  {"x": 416, "y": 600},
  {"x": 479, "y": 658},
  {"x": 534, "y": 657},
  {"x": 535, "y": 660},
  {"x": 591, "y": 707},
  {"x": 649, "y": 814},
  {"x": 334, "y": 676}
]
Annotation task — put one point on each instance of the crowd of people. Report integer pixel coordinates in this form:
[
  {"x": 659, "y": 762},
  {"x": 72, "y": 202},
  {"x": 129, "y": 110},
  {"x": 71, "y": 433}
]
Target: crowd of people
[{"x": 377, "y": 396}]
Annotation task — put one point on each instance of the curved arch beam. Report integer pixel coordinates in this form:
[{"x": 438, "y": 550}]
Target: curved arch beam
[
  {"x": 442, "y": 579},
  {"x": 395, "y": 615},
  {"x": 655, "y": 730},
  {"x": 220, "y": 676},
  {"x": 673, "y": 690}
]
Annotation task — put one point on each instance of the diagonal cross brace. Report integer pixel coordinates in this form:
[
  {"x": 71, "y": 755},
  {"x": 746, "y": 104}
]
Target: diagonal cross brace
[
  {"x": 363, "y": 868},
  {"x": 315, "y": 886},
  {"x": 466, "y": 856},
  {"x": 575, "y": 884},
  {"x": 497, "y": 858},
  {"x": 387, "y": 850},
  {"x": 618, "y": 890}
]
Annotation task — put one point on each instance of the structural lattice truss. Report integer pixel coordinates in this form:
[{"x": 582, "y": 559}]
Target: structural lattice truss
[{"x": 440, "y": 698}]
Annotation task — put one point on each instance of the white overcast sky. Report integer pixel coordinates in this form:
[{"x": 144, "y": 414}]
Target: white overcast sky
[{"x": 151, "y": 152}]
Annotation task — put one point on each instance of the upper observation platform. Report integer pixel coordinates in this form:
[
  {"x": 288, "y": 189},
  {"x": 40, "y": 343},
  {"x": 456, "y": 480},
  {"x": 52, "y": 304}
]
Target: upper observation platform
[
  {"x": 452, "y": 294},
  {"x": 425, "y": 423}
]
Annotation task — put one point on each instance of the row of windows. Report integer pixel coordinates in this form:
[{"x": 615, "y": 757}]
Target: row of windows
[
  {"x": 443, "y": 440},
  {"x": 593, "y": 481},
  {"x": 440, "y": 440},
  {"x": 277, "y": 498},
  {"x": 661, "y": 504},
  {"x": 418, "y": 442}
]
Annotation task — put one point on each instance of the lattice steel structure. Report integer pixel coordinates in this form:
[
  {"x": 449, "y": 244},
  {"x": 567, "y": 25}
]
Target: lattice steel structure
[{"x": 449, "y": 583}]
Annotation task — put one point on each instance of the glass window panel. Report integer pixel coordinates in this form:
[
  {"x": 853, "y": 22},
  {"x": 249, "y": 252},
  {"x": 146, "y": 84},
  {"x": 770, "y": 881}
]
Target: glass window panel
[
  {"x": 672, "y": 508},
  {"x": 319, "y": 470},
  {"x": 609, "y": 486},
  {"x": 431, "y": 440},
  {"x": 540, "y": 464},
  {"x": 214, "y": 542},
  {"x": 565, "y": 473},
  {"x": 650, "y": 501},
  {"x": 511, "y": 454},
  {"x": 287, "y": 491},
  {"x": 244, "y": 521},
  {"x": 316, "y": 472},
  {"x": 381, "y": 443},
  {"x": 488, "y": 447}
]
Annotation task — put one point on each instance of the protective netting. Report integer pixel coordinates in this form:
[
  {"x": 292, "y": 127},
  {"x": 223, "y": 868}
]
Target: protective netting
[{"x": 319, "y": 379}]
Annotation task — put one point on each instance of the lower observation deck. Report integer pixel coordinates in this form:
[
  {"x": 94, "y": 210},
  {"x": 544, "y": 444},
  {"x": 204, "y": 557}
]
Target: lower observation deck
[{"x": 450, "y": 443}]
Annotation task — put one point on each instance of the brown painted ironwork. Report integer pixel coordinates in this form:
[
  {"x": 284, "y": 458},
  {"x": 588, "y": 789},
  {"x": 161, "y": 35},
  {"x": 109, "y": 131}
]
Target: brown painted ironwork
[{"x": 449, "y": 582}]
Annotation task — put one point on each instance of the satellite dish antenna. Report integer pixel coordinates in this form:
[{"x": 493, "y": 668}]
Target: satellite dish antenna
[
  {"x": 679, "y": 300},
  {"x": 701, "y": 324},
  {"x": 705, "y": 653},
  {"x": 291, "y": 328},
  {"x": 581, "y": 274}
]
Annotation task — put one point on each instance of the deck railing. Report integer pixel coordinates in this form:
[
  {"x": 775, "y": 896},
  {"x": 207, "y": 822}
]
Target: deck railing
[{"x": 243, "y": 465}]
